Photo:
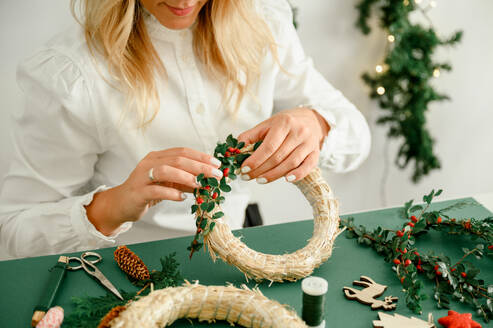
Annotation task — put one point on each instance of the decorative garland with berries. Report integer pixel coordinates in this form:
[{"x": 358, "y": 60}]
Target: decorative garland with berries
[
  {"x": 458, "y": 281},
  {"x": 222, "y": 243}
]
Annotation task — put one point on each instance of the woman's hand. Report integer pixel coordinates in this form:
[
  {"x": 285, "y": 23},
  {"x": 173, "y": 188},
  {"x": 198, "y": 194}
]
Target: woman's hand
[
  {"x": 291, "y": 144},
  {"x": 174, "y": 172}
]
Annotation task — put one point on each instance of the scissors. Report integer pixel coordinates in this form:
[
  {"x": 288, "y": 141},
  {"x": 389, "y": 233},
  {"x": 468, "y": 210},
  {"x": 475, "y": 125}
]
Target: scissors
[{"x": 86, "y": 264}]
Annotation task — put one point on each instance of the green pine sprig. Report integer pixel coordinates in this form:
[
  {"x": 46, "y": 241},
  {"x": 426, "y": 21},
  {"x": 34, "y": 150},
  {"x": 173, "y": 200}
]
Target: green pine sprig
[
  {"x": 457, "y": 281},
  {"x": 231, "y": 154},
  {"x": 403, "y": 84}
]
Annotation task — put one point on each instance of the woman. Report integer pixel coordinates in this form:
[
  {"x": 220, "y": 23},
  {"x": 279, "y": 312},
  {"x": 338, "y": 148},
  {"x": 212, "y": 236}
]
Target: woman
[{"x": 125, "y": 112}]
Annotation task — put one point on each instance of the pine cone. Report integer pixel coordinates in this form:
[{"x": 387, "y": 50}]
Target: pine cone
[
  {"x": 114, "y": 312},
  {"x": 131, "y": 264}
]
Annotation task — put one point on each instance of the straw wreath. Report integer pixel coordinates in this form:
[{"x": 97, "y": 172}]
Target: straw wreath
[
  {"x": 222, "y": 243},
  {"x": 240, "y": 306}
]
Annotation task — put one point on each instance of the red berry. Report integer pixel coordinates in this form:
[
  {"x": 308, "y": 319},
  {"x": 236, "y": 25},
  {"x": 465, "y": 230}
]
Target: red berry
[
  {"x": 453, "y": 269},
  {"x": 397, "y": 261},
  {"x": 414, "y": 219},
  {"x": 407, "y": 262},
  {"x": 439, "y": 220},
  {"x": 226, "y": 171},
  {"x": 399, "y": 233},
  {"x": 419, "y": 267},
  {"x": 227, "y": 154},
  {"x": 438, "y": 273},
  {"x": 195, "y": 242},
  {"x": 199, "y": 200},
  {"x": 237, "y": 151},
  {"x": 214, "y": 195},
  {"x": 207, "y": 187},
  {"x": 463, "y": 274},
  {"x": 402, "y": 280},
  {"x": 416, "y": 253},
  {"x": 490, "y": 247},
  {"x": 404, "y": 251},
  {"x": 435, "y": 267},
  {"x": 199, "y": 230},
  {"x": 231, "y": 149},
  {"x": 467, "y": 225},
  {"x": 410, "y": 224}
]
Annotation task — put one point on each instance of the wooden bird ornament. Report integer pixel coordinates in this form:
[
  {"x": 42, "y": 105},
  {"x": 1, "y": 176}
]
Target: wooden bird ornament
[
  {"x": 400, "y": 321},
  {"x": 369, "y": 293}
]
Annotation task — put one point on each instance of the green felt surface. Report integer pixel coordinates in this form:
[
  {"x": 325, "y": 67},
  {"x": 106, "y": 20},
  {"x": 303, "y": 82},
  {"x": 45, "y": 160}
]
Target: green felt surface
[{"x": 23, "y": 281}]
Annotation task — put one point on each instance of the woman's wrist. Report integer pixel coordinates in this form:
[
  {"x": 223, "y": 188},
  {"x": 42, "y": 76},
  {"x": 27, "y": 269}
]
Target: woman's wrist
[
  {"x": 100, "y": 212},
  {"x": 324, "y": 127}
]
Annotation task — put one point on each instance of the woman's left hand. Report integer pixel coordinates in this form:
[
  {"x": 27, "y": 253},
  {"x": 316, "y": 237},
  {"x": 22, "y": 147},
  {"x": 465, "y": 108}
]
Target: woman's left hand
[{"x": 291, "y": 144}]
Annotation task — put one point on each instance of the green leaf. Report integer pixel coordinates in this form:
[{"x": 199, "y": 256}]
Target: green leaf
[
  {"x": 416, "y": 208},
  {"x": 210, "y": 206},
  {"x": 200, "y": 177},
  {"x": 240, "y": 145},
  {"x": 194, "y": 208},
  {"x": 218, "y": 215},
  {"x": 257, "y": 144},
  {"x": 204, "y": 206},
  {"x": 211, "y": 226},
  {"x": 212, "y": 182}
]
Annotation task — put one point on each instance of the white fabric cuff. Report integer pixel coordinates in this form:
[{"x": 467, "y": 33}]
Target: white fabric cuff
[{"x": 89, "y": 235}]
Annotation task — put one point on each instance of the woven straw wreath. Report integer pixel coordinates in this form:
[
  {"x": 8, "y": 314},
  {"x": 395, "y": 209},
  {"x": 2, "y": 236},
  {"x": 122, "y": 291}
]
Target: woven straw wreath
[
  {"x": 223, "y": 244},
  {"x": 244, "y": 307}
]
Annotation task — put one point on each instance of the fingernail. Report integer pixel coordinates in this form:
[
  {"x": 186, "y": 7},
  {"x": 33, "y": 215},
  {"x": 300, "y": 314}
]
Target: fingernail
[
  {"x": 290, "y": 178},
  {"x": 183, "y": 195},
  {"x": 245, "y": 177},
  {"x": 261, "y": 180},
  {"x": 215, "y": 161},
  {"x": 245, "y": 169},
  {"x": 217, "y": 173}
]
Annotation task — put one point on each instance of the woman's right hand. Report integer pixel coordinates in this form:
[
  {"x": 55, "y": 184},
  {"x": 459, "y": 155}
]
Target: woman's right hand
[{"x": 174, "y": 172}]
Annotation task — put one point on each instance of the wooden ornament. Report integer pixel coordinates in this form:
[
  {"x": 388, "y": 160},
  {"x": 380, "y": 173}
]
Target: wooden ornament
[
  {"x": 400, "y": 321},
  {"x": 368, "y": 295},
  {"x": 458, "y": 320}
]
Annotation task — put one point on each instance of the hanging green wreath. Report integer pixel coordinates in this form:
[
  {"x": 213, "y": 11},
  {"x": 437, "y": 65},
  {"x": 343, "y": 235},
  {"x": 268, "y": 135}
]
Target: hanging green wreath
[{"x": 402, "y": 81}]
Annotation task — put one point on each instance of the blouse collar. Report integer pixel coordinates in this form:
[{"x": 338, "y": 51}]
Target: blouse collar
[{"x": 158, "y": 31}]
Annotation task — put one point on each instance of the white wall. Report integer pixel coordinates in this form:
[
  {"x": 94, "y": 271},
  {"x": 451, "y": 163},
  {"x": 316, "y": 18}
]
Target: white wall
[{"x": 461, "y": 127}]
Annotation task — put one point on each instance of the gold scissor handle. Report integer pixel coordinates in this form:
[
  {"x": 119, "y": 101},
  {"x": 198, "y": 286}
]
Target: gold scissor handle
[{"x": 83, "y": 260}]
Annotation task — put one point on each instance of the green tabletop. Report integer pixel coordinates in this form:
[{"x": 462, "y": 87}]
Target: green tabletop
[{"x": 23, "y": 280}]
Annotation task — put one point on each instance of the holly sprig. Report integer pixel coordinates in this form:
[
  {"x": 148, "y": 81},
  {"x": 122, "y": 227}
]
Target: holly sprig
[
  {"x": 208, "y": 197},
  {"x": 458, "y": 281}
]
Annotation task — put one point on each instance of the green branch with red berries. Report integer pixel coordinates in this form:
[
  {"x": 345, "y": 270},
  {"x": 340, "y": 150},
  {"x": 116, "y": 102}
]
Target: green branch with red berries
[
  {"x": 458, "y": 281},
  {"x": 209, "y": 196}
]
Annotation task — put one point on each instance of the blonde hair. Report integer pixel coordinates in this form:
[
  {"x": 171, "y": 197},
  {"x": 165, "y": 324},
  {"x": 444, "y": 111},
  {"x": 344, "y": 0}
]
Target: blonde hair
[{"x": 230, "y": 38}]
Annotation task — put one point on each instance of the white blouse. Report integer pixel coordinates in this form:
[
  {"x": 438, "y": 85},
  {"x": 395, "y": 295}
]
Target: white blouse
[{"x": 69, "y": 144}]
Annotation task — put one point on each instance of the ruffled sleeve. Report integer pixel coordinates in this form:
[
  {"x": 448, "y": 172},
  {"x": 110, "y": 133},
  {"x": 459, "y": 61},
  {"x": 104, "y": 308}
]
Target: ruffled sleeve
[
  {"x": 56, "y": 145},
  {"x": 348, "y": 143}
]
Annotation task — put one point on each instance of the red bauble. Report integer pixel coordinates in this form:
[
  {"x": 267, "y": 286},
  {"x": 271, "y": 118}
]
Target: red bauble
[{"x": 458, "y": 320}]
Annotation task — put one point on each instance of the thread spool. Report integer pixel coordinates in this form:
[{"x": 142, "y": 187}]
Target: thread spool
[{"x": 314, "y": 290}]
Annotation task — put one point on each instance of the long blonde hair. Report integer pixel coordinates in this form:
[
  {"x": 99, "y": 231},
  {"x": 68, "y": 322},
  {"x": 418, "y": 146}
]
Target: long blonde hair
[{"x": 230, "y": 39}]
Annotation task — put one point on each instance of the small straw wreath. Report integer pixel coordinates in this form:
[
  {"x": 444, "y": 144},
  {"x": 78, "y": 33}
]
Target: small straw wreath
[
  {"x": 223, "y": 244},
  {"x": 240, "y": 306}
]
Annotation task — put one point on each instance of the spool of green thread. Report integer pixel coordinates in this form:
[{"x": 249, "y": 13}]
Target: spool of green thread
[{"x": 314, "y": 290}]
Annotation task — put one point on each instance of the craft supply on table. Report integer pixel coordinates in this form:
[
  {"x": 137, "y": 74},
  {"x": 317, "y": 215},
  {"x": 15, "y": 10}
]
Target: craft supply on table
[
  {"x": 54, "y": 282},
  {"x": 52, "y": 319},
  {"x": 400, "y": 321},
  {"x": 238, "y": 306},
  {"x": 86, "y": 264},
  {"x": 314, "y": 290},
  {"x": 458, "y": 320},
  {"x": 130, "y": 263},
  {"x": 368, "y": 295}
]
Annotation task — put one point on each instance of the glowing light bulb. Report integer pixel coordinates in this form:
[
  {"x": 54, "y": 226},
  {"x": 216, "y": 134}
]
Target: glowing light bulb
[
  {"x": 391, "y": 38},
  {"x": 380, "y": 90},
  {"x": 436, "y": 72},
  {"x": 379, "y": 68}
]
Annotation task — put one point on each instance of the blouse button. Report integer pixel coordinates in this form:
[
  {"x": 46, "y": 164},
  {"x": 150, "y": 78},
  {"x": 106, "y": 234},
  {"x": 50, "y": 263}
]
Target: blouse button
[{"x": 200, "y": 109}]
